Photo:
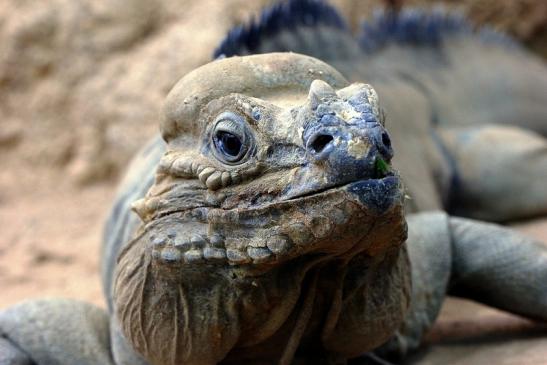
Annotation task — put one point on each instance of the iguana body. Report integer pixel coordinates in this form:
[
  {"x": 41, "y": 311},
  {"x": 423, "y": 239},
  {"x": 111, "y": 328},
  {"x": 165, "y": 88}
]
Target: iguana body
[{"x": 272, "y": 226}]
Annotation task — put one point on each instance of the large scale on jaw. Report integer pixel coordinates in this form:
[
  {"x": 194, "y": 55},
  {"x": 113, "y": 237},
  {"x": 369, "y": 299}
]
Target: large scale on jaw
[{"x": 172, "y": 249}]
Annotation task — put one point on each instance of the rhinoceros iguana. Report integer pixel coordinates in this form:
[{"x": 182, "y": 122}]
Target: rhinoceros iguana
[{"x": 270, "y": 223}]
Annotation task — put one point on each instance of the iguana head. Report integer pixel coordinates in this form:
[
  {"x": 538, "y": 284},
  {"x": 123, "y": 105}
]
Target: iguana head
[
  {"x": 270, "y": 158},
  {"x": 275, "y": 167}
]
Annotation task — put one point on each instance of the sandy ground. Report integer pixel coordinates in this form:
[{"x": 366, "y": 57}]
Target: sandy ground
[
  {"x": 50, "y": 237},
  {"x": 51, "y": 226}
]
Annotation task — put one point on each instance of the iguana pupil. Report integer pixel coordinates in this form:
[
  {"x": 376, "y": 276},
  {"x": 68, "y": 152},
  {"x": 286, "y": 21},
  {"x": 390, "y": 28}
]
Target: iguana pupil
[{"x": 228, "y": 143}]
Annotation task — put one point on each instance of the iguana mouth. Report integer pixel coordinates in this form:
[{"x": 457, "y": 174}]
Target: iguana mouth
[
  {"x": 316, "y": 192},
  {"x": 389, "y": 183}
]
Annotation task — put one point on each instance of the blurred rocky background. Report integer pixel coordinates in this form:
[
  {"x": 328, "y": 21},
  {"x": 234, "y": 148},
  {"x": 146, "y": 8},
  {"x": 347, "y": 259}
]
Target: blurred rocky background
[{"x": 81, "y": 84}]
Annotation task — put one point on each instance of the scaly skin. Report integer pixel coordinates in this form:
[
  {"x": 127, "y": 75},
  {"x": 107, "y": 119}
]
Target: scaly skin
[{"x": 294, "y": 247}]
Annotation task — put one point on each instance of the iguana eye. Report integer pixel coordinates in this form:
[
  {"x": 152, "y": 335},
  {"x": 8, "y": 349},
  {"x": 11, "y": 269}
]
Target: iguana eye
[{"x": 231, "y": 138}]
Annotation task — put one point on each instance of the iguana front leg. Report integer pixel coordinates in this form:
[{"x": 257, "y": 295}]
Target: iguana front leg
[
  {"x": 499, "y": 267},
  {"x": 480, "y": 261},
  {"x": 54, "y": 332}
]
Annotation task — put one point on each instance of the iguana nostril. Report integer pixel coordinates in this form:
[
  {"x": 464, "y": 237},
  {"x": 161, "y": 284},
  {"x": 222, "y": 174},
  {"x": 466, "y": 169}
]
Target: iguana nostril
[
  {"x": 386, "y": 141},
  {"x": 320, "y": 142}
]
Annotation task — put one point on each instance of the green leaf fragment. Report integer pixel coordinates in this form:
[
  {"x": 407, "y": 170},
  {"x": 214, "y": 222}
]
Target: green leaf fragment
[{"x": 381, "y": 165}]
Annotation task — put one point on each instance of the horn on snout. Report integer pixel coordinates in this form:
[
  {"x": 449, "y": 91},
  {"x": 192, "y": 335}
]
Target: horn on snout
[{"x": 319, "y": 91}]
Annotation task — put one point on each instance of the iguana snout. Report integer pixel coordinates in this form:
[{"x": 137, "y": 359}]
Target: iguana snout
[
  {"x": 346, "y": 131},
  {"x": 344, "y": 138}
]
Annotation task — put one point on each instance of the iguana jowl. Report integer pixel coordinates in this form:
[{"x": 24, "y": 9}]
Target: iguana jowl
[{"x": 270, "y": 222}]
